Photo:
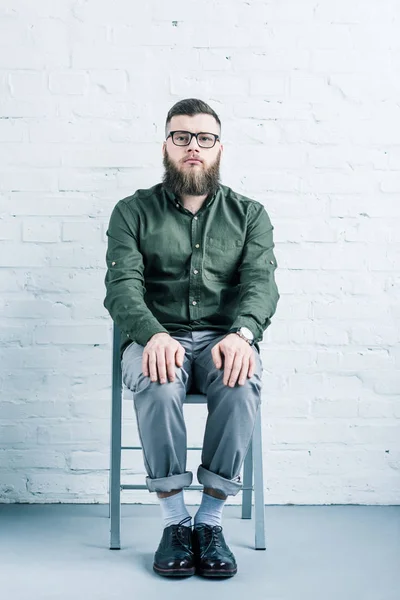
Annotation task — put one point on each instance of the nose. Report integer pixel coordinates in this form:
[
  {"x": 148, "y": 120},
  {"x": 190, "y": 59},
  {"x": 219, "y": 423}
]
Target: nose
[{"x": 193, "y": 144}]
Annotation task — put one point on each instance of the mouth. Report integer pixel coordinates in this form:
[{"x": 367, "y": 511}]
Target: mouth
[{"x": 193, "y": 161}]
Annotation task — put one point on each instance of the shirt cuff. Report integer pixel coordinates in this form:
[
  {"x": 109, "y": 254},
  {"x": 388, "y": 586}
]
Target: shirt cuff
[
  {"x": 246, "y": 322},
  {"x": 146, "y": 332}
]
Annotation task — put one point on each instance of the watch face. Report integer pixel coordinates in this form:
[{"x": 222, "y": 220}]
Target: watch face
[{"x": 246, "y": 332}]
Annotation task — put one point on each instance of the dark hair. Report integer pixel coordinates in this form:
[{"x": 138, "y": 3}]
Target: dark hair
[{"x": 191, "y": 107}]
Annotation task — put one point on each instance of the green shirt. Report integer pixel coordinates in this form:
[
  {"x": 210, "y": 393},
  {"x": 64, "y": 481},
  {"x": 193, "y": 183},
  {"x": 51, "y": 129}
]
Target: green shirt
[{"x": 170, "y": 270}]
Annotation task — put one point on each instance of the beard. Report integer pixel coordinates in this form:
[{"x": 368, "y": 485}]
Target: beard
[{"x": 191, "y": 182}]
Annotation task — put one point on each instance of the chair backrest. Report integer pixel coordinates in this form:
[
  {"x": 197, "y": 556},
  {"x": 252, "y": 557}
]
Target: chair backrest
[{"x": 191, "y": 398}]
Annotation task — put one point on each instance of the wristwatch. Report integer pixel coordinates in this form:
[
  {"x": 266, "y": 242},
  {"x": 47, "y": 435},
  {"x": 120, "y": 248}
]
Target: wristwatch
[{"x": 245, "y": 334}]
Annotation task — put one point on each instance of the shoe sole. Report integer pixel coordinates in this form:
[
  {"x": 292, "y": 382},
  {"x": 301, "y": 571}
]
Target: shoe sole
[
  {"x": 174, "y": 572},
  {"x": 219, "y": 574}
]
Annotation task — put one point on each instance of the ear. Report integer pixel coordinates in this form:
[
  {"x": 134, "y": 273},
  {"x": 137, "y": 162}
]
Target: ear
[{"x": 164, "y": 145}]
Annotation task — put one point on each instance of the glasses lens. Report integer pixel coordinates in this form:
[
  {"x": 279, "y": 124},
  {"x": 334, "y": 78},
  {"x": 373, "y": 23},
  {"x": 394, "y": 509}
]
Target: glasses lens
[
  {"x": 181, "y": 138},
  {"x": 206, "y": 140}
]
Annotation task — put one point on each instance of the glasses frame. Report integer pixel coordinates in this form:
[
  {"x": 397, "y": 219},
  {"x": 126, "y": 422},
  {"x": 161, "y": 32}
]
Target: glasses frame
[{"x": 192, "y": 135}]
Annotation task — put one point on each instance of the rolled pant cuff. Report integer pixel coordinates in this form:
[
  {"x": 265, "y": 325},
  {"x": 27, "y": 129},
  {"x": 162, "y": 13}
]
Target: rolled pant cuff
[
  {"x": 229, "y": 487},
  {"x": 167, "y": 484}
]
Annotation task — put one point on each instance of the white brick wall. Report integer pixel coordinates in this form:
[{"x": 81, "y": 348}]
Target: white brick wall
[{"x": 308, "y": 95}]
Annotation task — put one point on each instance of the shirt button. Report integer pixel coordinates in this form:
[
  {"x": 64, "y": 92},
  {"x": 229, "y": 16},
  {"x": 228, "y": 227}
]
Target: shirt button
[
  {"x": 197, "y": 246},
  {"x": 113, "y": 263},
  {"x": 195, "y": 271},
  {"x": 195, "y": 218},
  {"x": 272, "y": 262},
  {"x": 177, "y": 205},
  {"x": 194, "y": 302}
]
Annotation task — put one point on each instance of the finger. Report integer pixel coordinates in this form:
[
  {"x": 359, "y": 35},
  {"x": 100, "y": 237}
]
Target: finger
[
  {"x": 252, "y": 366},
  {"x": 243, "y": 372},
  {"x": 145, "y": 365},
  {"x": 236, "y": 368},
  {"x": 170, "y": 363},
  {"x": 180, "y": 355},
  {"x": 153, "y": 365},
  {"x": 216, "y": 356},
  {"x": 229, "y": 360},
  {"x": 162, "y": 372}
]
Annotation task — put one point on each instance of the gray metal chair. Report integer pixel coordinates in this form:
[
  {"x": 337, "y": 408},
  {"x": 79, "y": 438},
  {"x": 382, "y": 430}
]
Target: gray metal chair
[{"x": 253, "y": 461}]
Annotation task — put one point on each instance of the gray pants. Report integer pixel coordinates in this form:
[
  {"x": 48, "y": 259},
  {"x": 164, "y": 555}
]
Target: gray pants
[{"x": 159, "y": 412}]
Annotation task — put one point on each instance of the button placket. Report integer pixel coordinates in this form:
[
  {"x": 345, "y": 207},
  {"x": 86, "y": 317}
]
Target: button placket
[{"x": 194, "y": 286}]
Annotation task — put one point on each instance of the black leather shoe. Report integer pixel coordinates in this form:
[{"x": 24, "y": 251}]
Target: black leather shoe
[
  {"x": 213, "y": 556},
  {"x": 174, "y": 556}
]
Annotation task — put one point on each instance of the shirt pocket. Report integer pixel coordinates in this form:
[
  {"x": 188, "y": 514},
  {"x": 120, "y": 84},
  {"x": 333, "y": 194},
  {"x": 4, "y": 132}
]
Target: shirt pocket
[{"x": 221, "y": 258}]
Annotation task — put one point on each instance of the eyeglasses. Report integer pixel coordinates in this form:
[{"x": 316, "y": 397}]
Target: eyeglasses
[{"x": 183, "y": 138}]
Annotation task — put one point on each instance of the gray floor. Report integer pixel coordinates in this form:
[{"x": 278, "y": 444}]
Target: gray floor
[{"x": 52, "y": 552}]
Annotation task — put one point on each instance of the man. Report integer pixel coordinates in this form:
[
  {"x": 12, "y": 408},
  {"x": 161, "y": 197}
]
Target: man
[{"x": 190, "y": 283}]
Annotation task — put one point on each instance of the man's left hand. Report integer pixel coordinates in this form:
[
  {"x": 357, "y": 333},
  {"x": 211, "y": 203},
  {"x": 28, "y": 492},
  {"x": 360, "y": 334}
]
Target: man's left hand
[{"x": 239, "y": 359}]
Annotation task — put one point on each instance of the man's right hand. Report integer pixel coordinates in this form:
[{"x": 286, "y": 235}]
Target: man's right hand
[{"x": 160, "y": 355}]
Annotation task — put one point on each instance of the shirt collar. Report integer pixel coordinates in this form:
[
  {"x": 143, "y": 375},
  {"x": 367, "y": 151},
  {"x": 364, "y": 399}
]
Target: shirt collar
[{"x": 172, "y": 197}]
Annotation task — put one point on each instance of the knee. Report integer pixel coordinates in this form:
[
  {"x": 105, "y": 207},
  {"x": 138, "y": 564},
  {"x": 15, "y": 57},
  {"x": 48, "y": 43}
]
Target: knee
[
  {"x": 241, "y": 396},
  {"x": 155, "y": 394}
]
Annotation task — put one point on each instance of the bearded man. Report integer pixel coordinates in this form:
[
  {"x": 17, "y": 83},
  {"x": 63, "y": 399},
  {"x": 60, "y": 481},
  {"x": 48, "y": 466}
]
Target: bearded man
[{"x": 190, "y": 283}]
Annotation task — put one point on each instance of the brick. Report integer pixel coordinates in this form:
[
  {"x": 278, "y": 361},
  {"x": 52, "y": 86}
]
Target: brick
[
  {"x": 32, "y": 459},
  {"x": 13, "y": 486},
  {"x": 79, "y": 180},
  {"x": 15, "y": 335},
  {"x": 88, "y": 461},
  {"x": 28, "y": 83},
  {"x": 271, "y": 86},
  {"x": 12, "y": 130},
  {"x": 32, "y": 155},
  {"x": 72, "y": 334},
  {"x": 68, "y": 82},
  {"x": 57, "y": 485},
  {"x": 21, "y": 410},
  {"x": 23, "y": 180},
  {"x": 377, "y": 407},
  {"x": 75, "y": 231},
  {"x": 83, "y": 309},
  {"x": 60, "y": 281},
  {"x": 10, "y": 230},
  {"x": 380, "y": 434},
  {"x": 326, "y": 408},
  {"x": 70, "y": 255},
  {"x": 73, "y": 432},
  {"x": 69, "y": 204},
  {"x": 106, "y": 155},
  {"x": 317, "y": 230},
  {"x": 35, "y": 309},
  {"x": 35, "y": 231},
  {"x": 27, "y": 108},
  {"x": 112, "y": 81},
  {"x": 15, "y": 255}
]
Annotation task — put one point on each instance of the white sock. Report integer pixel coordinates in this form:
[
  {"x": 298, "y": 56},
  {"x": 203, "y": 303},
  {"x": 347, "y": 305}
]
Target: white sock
[
  {"x": 174, "y": 510},
  {"x": 210, "y": 510}
]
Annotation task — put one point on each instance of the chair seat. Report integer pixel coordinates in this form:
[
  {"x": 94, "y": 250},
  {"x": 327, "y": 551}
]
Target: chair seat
[{"x": 195, "y": 399}]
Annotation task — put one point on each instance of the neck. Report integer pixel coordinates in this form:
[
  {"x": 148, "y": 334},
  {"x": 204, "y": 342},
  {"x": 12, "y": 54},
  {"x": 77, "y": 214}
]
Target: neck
[{"x": 193, "y": 203}]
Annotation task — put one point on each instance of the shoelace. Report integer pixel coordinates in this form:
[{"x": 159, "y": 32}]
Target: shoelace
[
  {"x": 211, "y": 535},
  {"x": 177, "y": 534}
]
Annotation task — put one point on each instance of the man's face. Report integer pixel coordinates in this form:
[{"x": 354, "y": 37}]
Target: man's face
[{"x": 192, "y": 170}]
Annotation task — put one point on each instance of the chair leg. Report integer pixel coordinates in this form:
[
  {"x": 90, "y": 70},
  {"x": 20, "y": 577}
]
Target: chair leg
[
  {"x": 259, "y": 508},
  {"x": 247, "y": 483},
  {"x": 115, "y": 454}
]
